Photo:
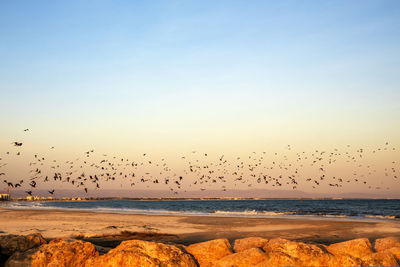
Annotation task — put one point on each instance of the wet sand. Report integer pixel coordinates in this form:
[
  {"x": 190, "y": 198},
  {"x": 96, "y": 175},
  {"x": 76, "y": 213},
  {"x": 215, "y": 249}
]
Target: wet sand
[{"x": 108, "y": 229}]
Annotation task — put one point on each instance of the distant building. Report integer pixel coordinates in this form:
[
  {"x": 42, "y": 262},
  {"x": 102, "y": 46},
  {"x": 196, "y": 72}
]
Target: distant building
[
  {"x": 4, "y": 197},
  {"x": 31, "y": 198}
]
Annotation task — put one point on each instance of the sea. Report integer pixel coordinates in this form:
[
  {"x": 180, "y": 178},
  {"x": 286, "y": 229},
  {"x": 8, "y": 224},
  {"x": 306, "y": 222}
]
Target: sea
[{"x": 347, "y": 209}]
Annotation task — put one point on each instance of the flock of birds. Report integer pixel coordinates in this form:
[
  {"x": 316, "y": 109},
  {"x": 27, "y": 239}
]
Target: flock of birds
[{"x": 203, "y": 171}]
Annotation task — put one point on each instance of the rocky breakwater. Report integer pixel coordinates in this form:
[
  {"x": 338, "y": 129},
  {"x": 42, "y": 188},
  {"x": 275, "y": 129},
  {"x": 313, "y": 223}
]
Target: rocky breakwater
[{"x": 33, "y": 250}]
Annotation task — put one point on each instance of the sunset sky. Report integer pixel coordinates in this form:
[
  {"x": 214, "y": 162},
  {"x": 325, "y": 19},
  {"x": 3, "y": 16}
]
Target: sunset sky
[{"x": 220, "y": 77}]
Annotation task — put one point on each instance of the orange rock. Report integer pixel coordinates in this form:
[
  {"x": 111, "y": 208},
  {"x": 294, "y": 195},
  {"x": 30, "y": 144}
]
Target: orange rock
[
  {"x": 249, "y": 242},
  {"x": 396, "y": 252},
  {"x": 143, "y": 253},
  {"x": 386, "y": 243},
  {"x": 382, "y": 258},
  {"x": 10, "y": 244},
  {"x": 357, "y": 248},
  {"x": 244, "y": 258},
  {"x": 206, "y": 253},
  {"x": 277, "y": 259},
  {"x": 62, "y": 252},
  {"x": 345, "y": 260},
  {"x": 302, "y": 254},
  {"x": 21, "y": 259}
]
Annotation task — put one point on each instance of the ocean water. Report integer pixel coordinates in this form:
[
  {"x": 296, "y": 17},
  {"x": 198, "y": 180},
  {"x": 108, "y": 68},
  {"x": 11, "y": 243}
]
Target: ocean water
[{"x": 383, "y": 209}]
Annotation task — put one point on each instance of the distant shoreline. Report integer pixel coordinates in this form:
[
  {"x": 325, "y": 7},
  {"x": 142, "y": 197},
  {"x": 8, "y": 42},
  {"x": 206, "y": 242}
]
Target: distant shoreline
[{"x": 184, "y": 199}]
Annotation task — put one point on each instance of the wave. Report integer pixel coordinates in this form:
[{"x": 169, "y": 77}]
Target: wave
[
  {"x": 253, "y": 212},
  {"x": 276, "y": 213},
  {"x": 40, "y": 206},
  {"x": 382, "y": 217}
]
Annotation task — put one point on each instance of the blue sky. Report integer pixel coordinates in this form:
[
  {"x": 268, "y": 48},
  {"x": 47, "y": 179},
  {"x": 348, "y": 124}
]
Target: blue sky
[
  {"x": 183, "y": 75},
  {"x": 112, "y": 58}
]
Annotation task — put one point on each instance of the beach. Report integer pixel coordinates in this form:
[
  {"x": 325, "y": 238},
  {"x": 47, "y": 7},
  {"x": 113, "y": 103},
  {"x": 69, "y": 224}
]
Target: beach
[
  {"x": 30, "y": 237},
  {"x": 110, "y": 228}
]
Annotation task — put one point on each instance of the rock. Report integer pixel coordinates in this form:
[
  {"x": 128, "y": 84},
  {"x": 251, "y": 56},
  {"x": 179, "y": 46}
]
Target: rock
[
  {"x": 249, "y": 242},
  {"x": 64, "y": 252},
  {"x": 59, "y": 252},
  {"x": 386, "y": 243},
  {"x": 143, "y": 253},
  {"x": 357, "y": 248},
  {"x": 206, "y": 253},
  {"x": 382, "y": 258},
  {"x": 21, "y": 259},
  {"x": 302, "y": 254},
  {"x": 244, "y": 258},
  {"x": 345, "y": 260},
  {"x": 19, "y": 243},
  {"x": 396, "y": 252},
  {"x": 277, "y": 259}
]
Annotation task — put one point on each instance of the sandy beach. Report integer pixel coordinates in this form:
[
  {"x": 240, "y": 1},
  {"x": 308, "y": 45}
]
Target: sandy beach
[{"x": 108, "y": 229}]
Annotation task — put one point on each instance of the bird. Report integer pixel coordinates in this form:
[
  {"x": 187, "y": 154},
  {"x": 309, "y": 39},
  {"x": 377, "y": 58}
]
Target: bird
[
  {"x": 245, "y": 170},
  {"x": 51, "y": 192}
]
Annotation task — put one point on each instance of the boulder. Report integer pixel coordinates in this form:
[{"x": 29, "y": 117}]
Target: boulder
[
  {"x": 396, "y": 252},
  {"x": 382, "y": 258},
  {"x": 244, "y": 258},
  {"x": 357, "y": 248},
  {"x": 345, "y": 260},
  {"x": 302, "y": 254},
  {"x": 21, "y": 259},
  {"x": 277, "y": 259},
  {"x": 249, "y": 242},
  {"x": 143, "y": 253},
  {"x": 386, "y": 243},
  {"x": 206, "y": 253},
  {"x": 280, "y": 259},
  {"x": 19, "y": 243},
  {"x": 59, "y": 252}
]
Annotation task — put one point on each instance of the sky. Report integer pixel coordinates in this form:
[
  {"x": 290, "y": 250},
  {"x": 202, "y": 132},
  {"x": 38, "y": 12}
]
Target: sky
[{"x": 220, "y": 77}]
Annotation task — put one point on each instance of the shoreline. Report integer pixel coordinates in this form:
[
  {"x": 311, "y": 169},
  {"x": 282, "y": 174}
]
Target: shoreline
[
  {"x": 37, "y": 205},
  {"x": 305, "y": 217},
  {"x": 111, "y": 228}
]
